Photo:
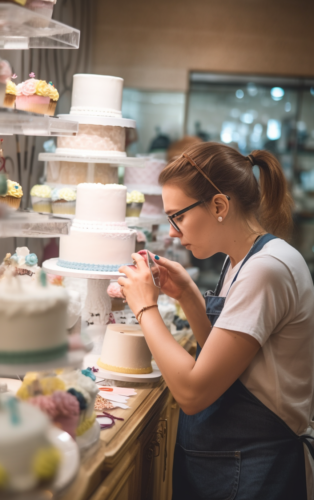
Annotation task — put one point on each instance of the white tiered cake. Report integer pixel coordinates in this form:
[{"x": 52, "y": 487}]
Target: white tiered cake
[{"x": 99, "y": 238}]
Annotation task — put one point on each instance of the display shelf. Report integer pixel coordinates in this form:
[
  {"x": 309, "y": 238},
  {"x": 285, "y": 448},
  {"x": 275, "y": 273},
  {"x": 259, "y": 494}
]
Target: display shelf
[
  {"x": 33, "y": 225},
  {"x": 13, "y": 121},
  {"x": 109, "y": 160},
  {"x": 22, "y": 28},
  {"x": 146, "y": 222},
  {"x": 145, "y": 189},
  {"x": 100, "y": 120}
]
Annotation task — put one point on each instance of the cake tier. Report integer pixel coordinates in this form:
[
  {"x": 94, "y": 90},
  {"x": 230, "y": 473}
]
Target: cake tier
[
  {"x": 101, "y": 203},
  {"x": 125, "y": 350},
  {"x": 22, "y": 436},
  {"x": 32, "y": 322},
  {"x": 76, "y": 173},
  {"x": 145, "y": 176},
  {"x": 97, "y": 95},
  {"x": 97, "y": 247},
  {"x": 91, "y": 138}
]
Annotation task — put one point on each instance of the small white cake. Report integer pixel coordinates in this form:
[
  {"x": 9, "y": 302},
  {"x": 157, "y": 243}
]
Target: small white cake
[
  {"x": 26, "y": 455},
  {"x": 125, "y": 350},
  {"x": 33, "y": 321},
  {"x": 97, "y": 95},
  {"x": 99, "y": 238}
]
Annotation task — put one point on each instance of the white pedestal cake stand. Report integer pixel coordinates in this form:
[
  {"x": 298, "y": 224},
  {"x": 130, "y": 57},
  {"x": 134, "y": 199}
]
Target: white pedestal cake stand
[{"x": 96, "y": 313}]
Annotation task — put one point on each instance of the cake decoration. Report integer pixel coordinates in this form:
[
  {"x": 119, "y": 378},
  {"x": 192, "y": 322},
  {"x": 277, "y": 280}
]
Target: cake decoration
[
  {"x": 13, "y": 196},
  {"x": 36, "y": 96},
  {"x": 45, "y": 463},
  {"x": 63, "y": 201},
  {"x": 41, "y": 198},
  {"x": 22, "y": 262}
]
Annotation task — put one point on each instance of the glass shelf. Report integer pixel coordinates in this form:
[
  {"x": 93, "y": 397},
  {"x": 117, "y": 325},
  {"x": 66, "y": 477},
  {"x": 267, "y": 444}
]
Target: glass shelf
[
  {"x": 22, "y": 28},
  {"x": 113, "y": 161},
  {"x": 23, "y": 123},
  {"x": 33, "y": 225},
  {"x": 146, "y": 222}
]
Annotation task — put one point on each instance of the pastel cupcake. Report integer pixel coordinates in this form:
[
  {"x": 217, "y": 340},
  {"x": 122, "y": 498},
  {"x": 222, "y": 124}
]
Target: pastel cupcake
[
  {"x": 36, "y": 96},
  {"x": 63, "y": 201},
  {"x": 134, "y": 203},
  {"x": 41, "y": 198},
  {"x": 10, "y": 94},
  {"x": 13, "y": 196}
]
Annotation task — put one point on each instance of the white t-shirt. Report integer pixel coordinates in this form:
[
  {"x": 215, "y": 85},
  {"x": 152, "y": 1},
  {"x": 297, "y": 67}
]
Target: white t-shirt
[{"x": 273, "y": 300}]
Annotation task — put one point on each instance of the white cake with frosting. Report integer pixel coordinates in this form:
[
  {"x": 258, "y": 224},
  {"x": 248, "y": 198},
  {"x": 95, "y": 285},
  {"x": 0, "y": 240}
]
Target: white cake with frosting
[
  {"x": 33, "y": 321},
  {"x": 27, "y": 457},
  {"x": 99, "y": 238},
  {"x": 125, "y": 350}
]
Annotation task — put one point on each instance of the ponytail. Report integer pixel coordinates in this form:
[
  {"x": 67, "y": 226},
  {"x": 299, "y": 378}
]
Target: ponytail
[{"x": 275, "y": 211}]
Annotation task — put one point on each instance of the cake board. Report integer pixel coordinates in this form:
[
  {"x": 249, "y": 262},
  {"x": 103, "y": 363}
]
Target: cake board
[
  {"x": 73, "y": 359},
  {"x": 89, "y": 438},
  {"x": 154, "y": 376},
  {"x": 51, "y": 267},
  {"x": 113, "y": 161}
]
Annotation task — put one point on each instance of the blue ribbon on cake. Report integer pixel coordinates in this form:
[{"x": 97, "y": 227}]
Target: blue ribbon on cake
[{"x": 81, "y": 266}]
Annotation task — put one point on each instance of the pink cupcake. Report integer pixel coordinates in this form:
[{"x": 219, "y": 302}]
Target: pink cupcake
[
  {"x": 68, "y": 412},
  {"x": 36, "y": 96}
]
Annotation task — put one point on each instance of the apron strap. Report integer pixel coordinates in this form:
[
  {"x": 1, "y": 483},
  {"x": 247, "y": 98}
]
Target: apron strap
[
  {"x": 222, "y": 276},
  {"x": 305, "y": 439}
]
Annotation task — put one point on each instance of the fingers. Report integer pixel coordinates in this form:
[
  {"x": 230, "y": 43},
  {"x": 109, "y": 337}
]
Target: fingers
[
  {"x": 168, "y": 264},
  {"x": 127, "y": 270},
  {"x": 122, "y": 281},
  {"x": 140, "y": 261}
]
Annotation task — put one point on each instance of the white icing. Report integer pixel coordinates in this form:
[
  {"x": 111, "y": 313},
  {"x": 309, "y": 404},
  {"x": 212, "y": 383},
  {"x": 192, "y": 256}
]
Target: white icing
[
  {"x": 101, "y": 202},
  {"x": 19, "y": 443},
  {"x": 125, "y": 347},
  {"x": 94, "y": 138},
  {"x": 75, "y": 173},
  {"x": 32, "y": 317},
  {"x": 97, "y": 95}
]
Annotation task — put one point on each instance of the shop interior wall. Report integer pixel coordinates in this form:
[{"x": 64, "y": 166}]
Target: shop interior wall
[{"x": 154, "y": 45}]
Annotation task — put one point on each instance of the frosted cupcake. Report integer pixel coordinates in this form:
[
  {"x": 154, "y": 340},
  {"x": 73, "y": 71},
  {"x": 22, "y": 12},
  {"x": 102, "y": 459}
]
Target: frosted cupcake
[
  {"x": 36, "y": 96},
  {"x": 117, "y": 299},
  {"x": 63, "y": 201},
  {"x": 134, "y": 203},
  {"x": 10, "y": 94},
  {"x": 13, "y": 196},
  {"x": 41, "y": 198}
]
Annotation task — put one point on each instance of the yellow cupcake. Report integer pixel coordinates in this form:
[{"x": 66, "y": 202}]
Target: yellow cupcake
[{"x": 13, "y": 196}]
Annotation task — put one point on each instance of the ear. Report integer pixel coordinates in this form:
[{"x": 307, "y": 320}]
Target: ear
[{"x": 220, "y": 205}]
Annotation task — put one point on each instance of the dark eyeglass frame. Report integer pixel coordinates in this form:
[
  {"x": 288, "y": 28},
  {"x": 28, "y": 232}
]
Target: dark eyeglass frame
[{"x": 181, "y": 212}]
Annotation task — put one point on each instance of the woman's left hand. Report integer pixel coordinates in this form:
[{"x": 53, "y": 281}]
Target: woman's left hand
[{"x": 138, "y": 287}]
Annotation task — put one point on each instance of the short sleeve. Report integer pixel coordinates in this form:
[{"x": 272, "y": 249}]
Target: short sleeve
[{"x": 261, "y": 301}]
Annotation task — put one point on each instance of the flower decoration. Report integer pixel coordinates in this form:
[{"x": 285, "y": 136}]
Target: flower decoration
[
  {"x": 31, "y": 259},
  {"x": 32, "y": 75},
  {"x": 88, "y": 373}
]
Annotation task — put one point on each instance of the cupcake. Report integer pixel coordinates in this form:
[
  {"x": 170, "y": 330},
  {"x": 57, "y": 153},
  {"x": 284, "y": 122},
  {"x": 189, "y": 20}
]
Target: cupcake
[
  {"x": 134, "y": 203},
  {"x": 5, "y": 75},
  {"x": 36, "y": 96},
  {"x": 13, "y": 196},
  {"x": 22, "y": 262},
  {"x": 10, "y": 94},
  {"x": 117, "y": 299},
  {"x": 63, "y": 201},
  {"x": 41, "y": 198}
]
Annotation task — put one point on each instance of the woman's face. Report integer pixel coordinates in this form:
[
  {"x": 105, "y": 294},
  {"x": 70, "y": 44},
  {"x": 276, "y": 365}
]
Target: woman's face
[{"x": 199, "y": 228}]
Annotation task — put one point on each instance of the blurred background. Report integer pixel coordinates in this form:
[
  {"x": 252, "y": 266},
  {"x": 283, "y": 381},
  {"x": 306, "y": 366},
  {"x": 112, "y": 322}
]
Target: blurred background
[{"x": 240, "y": 73}]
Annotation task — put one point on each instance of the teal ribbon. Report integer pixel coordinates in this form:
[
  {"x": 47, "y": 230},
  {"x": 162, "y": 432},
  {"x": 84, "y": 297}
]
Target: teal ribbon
[{"x": 20, "y": 357}]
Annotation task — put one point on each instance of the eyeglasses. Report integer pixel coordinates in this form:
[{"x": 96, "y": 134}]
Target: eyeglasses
[{"x": 177, "y": 214}]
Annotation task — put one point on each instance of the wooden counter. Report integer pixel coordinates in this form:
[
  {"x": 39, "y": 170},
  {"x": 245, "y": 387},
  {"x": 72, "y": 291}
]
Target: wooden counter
[{"x": 133, "y": 460}]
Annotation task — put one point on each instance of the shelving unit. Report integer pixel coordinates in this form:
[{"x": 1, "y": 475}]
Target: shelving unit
[
  {"x": 22, "y": 123},
  {"x": 33, "y": 225},
  {"x": 22, "y": 29},
  {"x": 109, "y": 160}
]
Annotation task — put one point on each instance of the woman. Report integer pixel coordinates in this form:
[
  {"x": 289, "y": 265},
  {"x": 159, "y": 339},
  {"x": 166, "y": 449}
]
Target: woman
[{"x": 247, "y": 401}]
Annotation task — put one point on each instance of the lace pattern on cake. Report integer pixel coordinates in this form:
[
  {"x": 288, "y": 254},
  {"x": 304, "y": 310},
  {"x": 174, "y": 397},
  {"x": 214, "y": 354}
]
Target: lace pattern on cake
[
  {"x": 88, "y": 225},
  {"x": 95, "y": 111},
  {"x": 75, "y": 173},
  {"x": 107, "y": 231},
  {"x": 83, "y": 266},
  {"x": 95, "y": 138}
]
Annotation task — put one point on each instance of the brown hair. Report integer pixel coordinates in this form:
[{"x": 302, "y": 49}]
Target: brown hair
[
  {"x": 178, "y": 147},
  {"x": 268, "y": 199}
]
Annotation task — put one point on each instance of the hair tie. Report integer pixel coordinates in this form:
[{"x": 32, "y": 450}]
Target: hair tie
[{"x": 251, "y": 160}]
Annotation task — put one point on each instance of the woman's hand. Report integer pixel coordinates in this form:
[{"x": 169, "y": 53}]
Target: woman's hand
[
  {"x": 138, "y": 287},
  {"x": 174, "y": 279}
]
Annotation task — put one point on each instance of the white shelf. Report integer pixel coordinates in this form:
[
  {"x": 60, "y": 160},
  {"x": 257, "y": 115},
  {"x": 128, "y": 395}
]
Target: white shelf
[
  {"x": 100, "y": 120},
  {"x": 22, "y": 123},
  {"x": 109, "y": 160},
  {"x": 33, "y": 225},
  {"x": 146, "y": 221},
  {"x": 22, "y": 28}
]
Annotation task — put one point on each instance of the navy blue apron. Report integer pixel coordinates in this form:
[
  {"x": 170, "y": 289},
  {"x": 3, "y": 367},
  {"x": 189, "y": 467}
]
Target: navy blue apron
[{"x": 237, "y": 449}]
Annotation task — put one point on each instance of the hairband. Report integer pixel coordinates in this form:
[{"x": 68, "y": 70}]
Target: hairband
[
  {"x": 200, "y": 170},
  {"x": 251, "y": 160}
]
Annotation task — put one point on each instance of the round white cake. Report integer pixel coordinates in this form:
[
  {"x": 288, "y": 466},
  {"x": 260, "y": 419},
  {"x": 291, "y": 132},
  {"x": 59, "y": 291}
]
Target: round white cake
[
  {"x": 125, "y": 350},
  {"x": 99, "y": 238},
  {"x": 26, "y": 455},
  {"x": 33, "y": 322},
  {"x": 97, "y": 95}
]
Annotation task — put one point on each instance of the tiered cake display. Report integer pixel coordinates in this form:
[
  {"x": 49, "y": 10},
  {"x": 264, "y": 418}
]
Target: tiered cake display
[{"x": 95, "y": 153}]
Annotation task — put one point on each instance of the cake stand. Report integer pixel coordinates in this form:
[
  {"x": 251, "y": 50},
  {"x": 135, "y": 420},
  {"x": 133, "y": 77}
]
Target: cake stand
[{"x": 98, "y": 303}]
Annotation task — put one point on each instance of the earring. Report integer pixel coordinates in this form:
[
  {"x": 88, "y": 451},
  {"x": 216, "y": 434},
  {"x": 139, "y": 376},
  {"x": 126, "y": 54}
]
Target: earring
[{"x": 219, "y": 219}]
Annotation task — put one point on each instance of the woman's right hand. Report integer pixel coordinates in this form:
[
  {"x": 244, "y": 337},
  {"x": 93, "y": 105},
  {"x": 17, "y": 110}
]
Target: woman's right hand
[{"x": 174, "y": 279}]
